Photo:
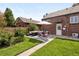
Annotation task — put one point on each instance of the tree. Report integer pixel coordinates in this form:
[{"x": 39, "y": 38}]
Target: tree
[
  {"x": 9, "y": 17},
  {"x": 2, "y": 21},
  {"x": 33, "y": 27}
]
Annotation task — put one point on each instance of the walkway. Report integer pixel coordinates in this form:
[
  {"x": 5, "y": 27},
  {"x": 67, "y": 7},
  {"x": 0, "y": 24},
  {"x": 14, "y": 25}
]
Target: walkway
[{"x": 32, "y": 50}]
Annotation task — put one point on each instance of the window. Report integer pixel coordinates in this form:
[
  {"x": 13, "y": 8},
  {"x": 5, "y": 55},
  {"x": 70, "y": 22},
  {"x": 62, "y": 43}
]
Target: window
[
  {"x": 59, "y": 27},
  {"x": 74, "y": 19}
]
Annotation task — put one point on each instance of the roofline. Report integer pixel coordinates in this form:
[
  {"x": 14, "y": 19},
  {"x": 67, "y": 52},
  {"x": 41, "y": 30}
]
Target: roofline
[{"x": 60, "y": 15}]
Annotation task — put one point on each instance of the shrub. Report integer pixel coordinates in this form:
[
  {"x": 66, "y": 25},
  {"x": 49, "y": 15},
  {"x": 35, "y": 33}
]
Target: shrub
[
  {"x": 4, "y": 38},
  {"x": 15, "y": 40},
  {"x": 33, "y": 27},
  {"x": 4, "y": 42},
  {"x": 11, "y": 38},
  {"x": 21, "y": 32},
  {"x": 6, "y": 34}
]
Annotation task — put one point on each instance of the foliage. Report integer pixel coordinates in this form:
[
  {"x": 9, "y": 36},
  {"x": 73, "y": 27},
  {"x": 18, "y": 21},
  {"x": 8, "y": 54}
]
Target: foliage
[
  {"x": 21, "y": 32},
  {"x": 2, "y": 21},
  {"x": 33, "y": 27},
  {"x": 9, "y": 38},
  {"x": 4, "y": 38},
  {"x": 3, "y": 42},
  {"x": 9, "y": 18},
  {"x": 15, "y": 40},
  {"x": 19, "y": 47}
]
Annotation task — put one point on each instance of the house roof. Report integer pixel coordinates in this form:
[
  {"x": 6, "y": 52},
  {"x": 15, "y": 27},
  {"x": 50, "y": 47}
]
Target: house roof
[
  {"x": 27, "y": 20},
  {"x": 32, "y": 21},
  {"x": 44, "y": 23},
  {"x": 73, "y": 9}
]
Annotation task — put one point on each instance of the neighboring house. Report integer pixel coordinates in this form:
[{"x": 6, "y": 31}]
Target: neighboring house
[
  {"x": 24, "y": 22},
  {"x": 64, "y": 22}
]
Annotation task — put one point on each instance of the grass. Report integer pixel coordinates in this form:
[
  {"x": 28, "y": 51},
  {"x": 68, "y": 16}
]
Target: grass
[
  {"x": 19, "y": 47},
  {"x": 59, "y": 47}
]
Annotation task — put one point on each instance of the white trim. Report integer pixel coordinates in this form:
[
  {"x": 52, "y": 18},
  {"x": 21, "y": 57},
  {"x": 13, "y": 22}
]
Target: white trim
[
  {"x": 59, "y": 31},
  {"x": 74, "y": 19}
]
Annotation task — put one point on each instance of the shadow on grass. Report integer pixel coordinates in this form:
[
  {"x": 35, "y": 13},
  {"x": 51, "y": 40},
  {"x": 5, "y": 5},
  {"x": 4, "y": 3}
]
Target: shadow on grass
[
  {"x": 67, "y": 39},
  {"x": 2, "y": 46},
  {"x": 34, "y": 40}
]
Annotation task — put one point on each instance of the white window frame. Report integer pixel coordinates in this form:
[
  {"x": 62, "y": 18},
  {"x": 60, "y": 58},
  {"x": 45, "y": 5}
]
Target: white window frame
[{"x": 74, "y": 19}]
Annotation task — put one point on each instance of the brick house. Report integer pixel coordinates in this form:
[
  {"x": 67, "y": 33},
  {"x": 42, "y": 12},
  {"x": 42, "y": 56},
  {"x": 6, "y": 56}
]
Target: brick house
[
  {"x": 64, "y": 22},
  {"x": 24, "y": 22}
]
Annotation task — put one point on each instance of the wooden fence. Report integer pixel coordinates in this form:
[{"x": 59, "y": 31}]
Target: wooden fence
[{"x": 11, "y": 29}]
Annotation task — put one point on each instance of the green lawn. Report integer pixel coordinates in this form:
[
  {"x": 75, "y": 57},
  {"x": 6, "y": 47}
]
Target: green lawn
[
  {"x": 59, "y": 47},
  {"x": 19, "y": 47}
]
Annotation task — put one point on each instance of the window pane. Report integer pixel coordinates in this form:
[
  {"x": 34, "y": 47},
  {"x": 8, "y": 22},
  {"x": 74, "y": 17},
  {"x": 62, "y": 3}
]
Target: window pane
[
  {"x": 74, "y": 19},
  {"x": 59, "y": 27},
  {"x": 71, "y": 19}
]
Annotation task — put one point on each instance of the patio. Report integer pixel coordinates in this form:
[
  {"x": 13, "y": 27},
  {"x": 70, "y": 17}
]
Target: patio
[{"x": 41, "y": 38}]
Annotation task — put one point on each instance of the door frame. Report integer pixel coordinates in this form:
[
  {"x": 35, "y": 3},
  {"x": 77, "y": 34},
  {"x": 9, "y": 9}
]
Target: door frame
[{"x": 59, "y": 30}]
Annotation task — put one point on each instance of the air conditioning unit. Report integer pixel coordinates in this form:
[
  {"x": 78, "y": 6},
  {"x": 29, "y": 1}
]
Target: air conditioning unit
[{"x": 75, "y": 35}]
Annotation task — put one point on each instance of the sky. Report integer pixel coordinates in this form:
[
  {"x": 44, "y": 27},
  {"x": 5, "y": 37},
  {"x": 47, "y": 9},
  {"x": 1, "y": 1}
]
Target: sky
[{"x": 33, "y": 10}]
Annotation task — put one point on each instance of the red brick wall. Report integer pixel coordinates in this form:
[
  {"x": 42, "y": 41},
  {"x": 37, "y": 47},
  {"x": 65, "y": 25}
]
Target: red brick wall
[
  {"x": 64, "y": 20},
  {"x": 20, "y": 23}
]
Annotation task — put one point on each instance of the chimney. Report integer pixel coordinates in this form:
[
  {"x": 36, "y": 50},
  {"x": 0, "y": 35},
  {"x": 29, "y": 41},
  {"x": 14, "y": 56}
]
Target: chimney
[
  {"x": 45, "y": 15},
  {"x": 30, "y": 18}
]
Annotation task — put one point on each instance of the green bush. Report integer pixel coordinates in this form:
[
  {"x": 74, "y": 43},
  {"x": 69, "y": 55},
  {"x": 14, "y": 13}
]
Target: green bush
[
  {"x": 10, "y": 38},
  {"x": 21, "y": 32},
  {"x": 4, "y": 42},
  {"x": 6, "y": 35},
  {"x": 15, "y": 40},
  {"x": 33, "y": 27},
  {"x": 4, "y": 38}
]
